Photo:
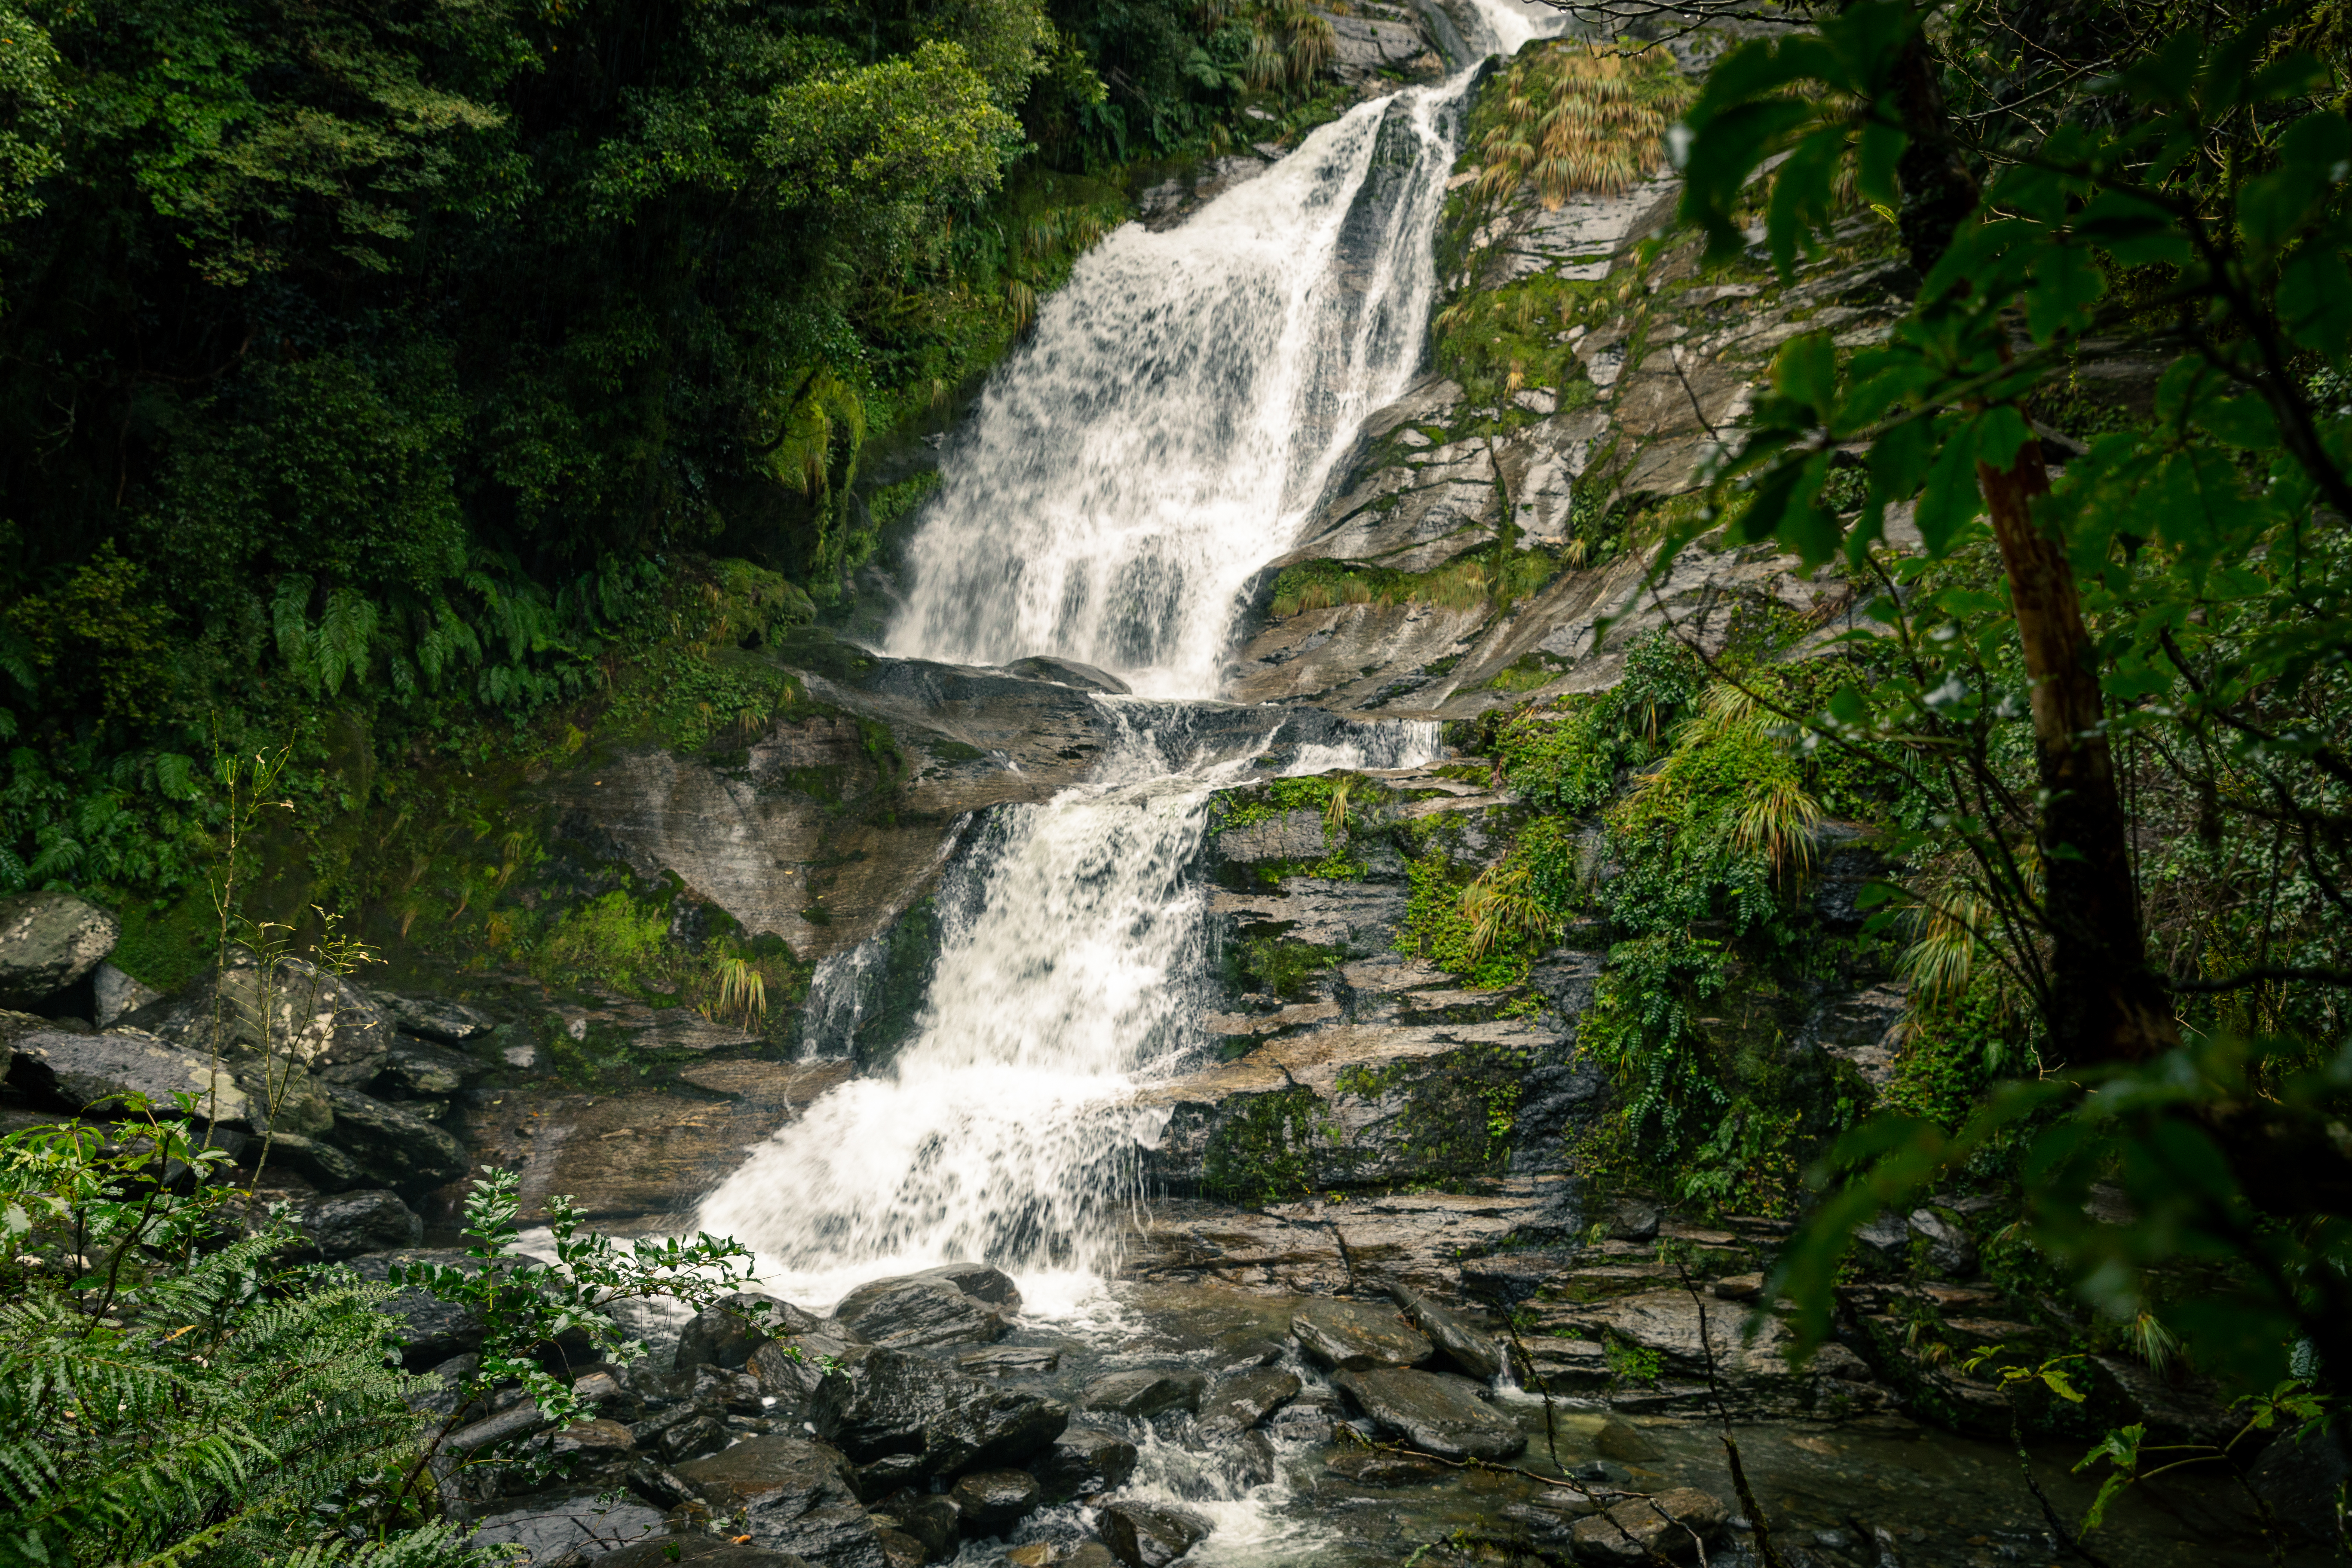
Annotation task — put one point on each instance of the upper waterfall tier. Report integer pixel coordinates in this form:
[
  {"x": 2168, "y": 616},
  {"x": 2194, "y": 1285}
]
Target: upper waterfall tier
[{"x": 1180, "y": 408}]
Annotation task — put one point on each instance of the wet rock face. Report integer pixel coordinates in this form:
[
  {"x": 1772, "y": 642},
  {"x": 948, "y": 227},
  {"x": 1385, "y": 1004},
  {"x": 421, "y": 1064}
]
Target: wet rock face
[
  {"x": 954, "y": 1304},
  {"x": 1083, "y": 1461},
  {"x": 1145, "y": 1392},
  {"x": 1470, "y": 1353},
  {"x": 794, "y": 1497},
  {"x": 1151, "y": 1535},
  {"x": 47, "y": 942},
  {"x": 1373, "y": 1467},
  {"x": 992, "y": 1501},
  {"x": 1437, "y": 1415},
  {"x": 1356, "y": 1336},
  {"x": 1238, "y": 1400},
  {"x": 1678, "y": 1524},
  {"x": 921, "y": 1419},
  {"x": 347, "y": 1224},
  {"x": 728, "y": 1334},
  {"x": 332, "y": 1027}
]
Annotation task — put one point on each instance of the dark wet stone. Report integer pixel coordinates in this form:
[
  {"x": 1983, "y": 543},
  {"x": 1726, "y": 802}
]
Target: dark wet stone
[
  {"x": 1622, "y": 1441},
  {"x": 393, "y": 1146},
  {"x": 1675, "y": 1524},
  {"x": 434, "y": 1017},
  {"x": 659, "y": 1485},
  {"x": 792, "y": 1371},
  {"x": 992, "y": 1501},
  {"x": 899, "y": 1550},
  {"x": 48, "y": 940},
  {"x": 726, "y": 1333},
  {"x": 1248, "y": 1462},
  {"x": 931, "y": 1517},
  {"x": 1357, "y": 1335},
  {"x": 793, "y": 1496},
  {"x": 1474, "y": 1353},
  {"x": 703, "y": 1550},
  {"x": 953, "y": 1304},
  {"x": 1088, "y": 1554},
  {"x": 1083, "y": 1461},
  {"x": 884, "y": 1402},
  {"x": 689, "y": 1438},
  {"x": 891, "y": 1473},
  {"x": 1144, "y": 1392},
  {"x": 1435, "y": 1413},
  {"x": 1151, "y": 1535},
  {"x": 416, "y": 1069},
  {"x": 1236, "y": 1353},
  {"x": 1370, "y": 1467},
  {"x": 2300, "y": 1475},
  {"x": 1550, "y": 1519},
  {"x": 1240, "y": 1400},
  {"x": 429, "y": 1330},
  {"x": 344, "y": 1224},
  {"x": 1010, "y": 1361}
]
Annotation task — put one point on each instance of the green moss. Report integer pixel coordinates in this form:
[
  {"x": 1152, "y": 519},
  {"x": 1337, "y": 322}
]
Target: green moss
[
  {"x": 1278, "y": 966},
  {"x": 169, "y": 947},
  {"x": 1263, "y": 1154}
]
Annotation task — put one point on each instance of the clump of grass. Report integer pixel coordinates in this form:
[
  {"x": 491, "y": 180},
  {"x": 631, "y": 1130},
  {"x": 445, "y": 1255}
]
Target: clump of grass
[{"x": 1580, "y": 116}]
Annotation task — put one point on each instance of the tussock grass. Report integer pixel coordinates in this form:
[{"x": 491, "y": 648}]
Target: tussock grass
[{"x": 1579, "y": 117}]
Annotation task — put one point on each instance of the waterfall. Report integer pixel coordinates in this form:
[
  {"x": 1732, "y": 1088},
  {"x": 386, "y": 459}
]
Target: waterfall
[{"x": 1176, "y": 416}]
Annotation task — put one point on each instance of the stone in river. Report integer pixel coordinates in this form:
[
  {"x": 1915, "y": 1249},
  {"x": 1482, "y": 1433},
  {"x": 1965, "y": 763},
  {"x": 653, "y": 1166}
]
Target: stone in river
[
  {"x": 1476, "y": 1354},
  {"x": 1010, "y": 1361},
  {"x": 1083, "y": 1460},
  {"x": 1151, "y": 1535},
  {"x": 1549, "y": 1519},
  {"x": 1675, "y": 1524},
  {"x": 1145, "y": 1391},
  {"x": 1249, "y": 1462},
  {"x": 992, "y": 1501},
  {"x": 881, "y": 1402},
  {"x": 899, "y": 1550},
  {"x": 1621, "y": 1440},
  {"x": 954, "y": 1304},
  {"x": 1437, "y": 1414},
  {"x": 1354, "y": 1336},
  {"x": 1372, "y": 1467},
  {"x": 1240, "y": 1400},
  {"x": 793, "y": 1496},
  {"x": 702, "y": 1550},
  {"x": 1236, "y": 1352},
  {"x": 725, "y": 1333},
  {"x": 998, "y": 1426},
  {"x": 344, "y": 1224},
  {"x": 931, "y": 1517}
]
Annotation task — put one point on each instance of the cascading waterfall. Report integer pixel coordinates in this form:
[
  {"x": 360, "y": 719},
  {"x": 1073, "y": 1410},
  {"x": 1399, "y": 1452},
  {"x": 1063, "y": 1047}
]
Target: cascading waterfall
[{"x": 1179, "y": 411}]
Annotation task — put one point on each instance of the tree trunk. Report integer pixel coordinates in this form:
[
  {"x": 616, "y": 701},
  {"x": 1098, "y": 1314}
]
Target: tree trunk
[{"x": 2107, "y": 1004}]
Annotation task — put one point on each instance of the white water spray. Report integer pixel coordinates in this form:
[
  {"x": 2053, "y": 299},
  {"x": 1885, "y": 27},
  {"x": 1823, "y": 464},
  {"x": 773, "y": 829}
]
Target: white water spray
[{"x": 1178, "y": 413}]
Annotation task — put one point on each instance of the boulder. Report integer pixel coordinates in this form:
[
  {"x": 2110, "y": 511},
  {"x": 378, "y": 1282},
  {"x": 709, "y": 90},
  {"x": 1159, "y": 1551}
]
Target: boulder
[
  {"x": 931, "y": 1517},
  {"x": 702, "y": 1550},
  {"x": 954, "y": 1304},
  {"x": 77, "y": 1073},
  {"x": 1951, "y": 1250},
  {"x": 1151, "y": 1535},
  {"x": 332, "y": 1028},
  {"x": 793, "y": 1370},
  {"x": 317, "y": 1162},
  {"x": 727, "y": 1332},
  {"x": 1355, "y": 1336},
  {"x": 1083, "y": 1461},
  {"x": 899, "y": 1550},
  {"x": 1550, "y": 1519},
  {"x": 418, "y": 1069},
  {"x": 1625, "y": 1443},
  {"x": 395, "y": 1147},
  {"x": 48, "y": 940},
  {"x": 1434, "y": 1413},
  {"x": 1236, "y": 1352},
  {"x": 1677, "y": 1524},
  {"x": 2299, "y": 1476},
  {"x": 1144, "y": 1392},
  {"x": 883, "y": 1403},
  {"x": 1010, "y": 1361},
  {"x": 344, "y": 1224},
  {"x": 1240, "y": 1400},
  {"x": 1476, "y": 1354},
  {"x": 1372, "y": 1467},
  {"x": 793, "y": 1496},
  {"x": 658, "y": 1485},
  {"x": 434, "y": 1017},
  {"x": 113, "y": 994},
  {"x": 993, "y": 1501}
]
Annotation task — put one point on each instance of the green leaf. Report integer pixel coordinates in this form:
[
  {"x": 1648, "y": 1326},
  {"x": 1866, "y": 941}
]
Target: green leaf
[
  {"x": 1875, "y": 155},
  {"x": 1951, "y": 500},
  {"x": 2242, "y": 422},
  {"x": 2066, "y": 284},
  {"x": 2055, "y": 1379},
  {"x": 2165, "y": 76},
  {"x": 2001, "y": 433},
  {"x": 1806, "y": 371},
  {"x": 2315, "y": 299},
  {"x": 2133, "y": 229}
]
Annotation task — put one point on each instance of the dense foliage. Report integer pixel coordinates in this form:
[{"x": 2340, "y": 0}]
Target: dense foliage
[{"x": 390, "y": 360}]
